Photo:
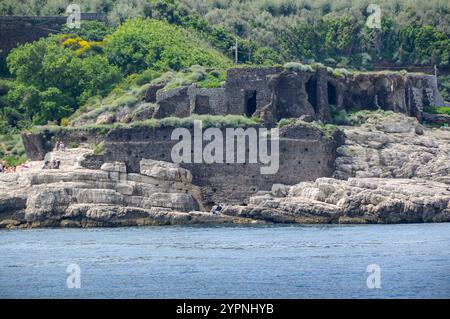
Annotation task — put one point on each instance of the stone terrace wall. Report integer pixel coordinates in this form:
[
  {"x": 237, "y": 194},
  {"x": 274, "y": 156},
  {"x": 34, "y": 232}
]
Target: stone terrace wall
[
  {"x": 15, "y": 30},
  {"x": 305, "y": 154}
]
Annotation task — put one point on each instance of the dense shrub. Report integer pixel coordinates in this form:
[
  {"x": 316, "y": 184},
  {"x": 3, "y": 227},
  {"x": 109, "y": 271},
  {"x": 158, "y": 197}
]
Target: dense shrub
[
  {"x": 52, "y": 80},
  {"x": 141, "y": 44},
  {"x": 90, "y": 30}
]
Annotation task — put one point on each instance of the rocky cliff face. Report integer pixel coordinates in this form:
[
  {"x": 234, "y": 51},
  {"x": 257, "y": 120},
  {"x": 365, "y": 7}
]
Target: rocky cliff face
[
  {"x": 357, "y": 200},
  {"x": 72, "y": 196},
  {"x": 394, "y": 147},
  {"x": 389, "y": 170}
]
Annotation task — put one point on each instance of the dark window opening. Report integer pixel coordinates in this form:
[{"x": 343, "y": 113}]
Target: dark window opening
[
  {"x": 202, "y": 104},
  {"x": 332, "y": 98},
  {"x": 311, "y": 90},
  {"x": 426, "y": 101},
  {"x": 250, "y": 103}
]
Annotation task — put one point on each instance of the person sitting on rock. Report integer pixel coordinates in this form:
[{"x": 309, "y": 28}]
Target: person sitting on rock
[
  {"x": 62, "y": 147},
  {"x": 46, "y": 165},
  {"x": 55, "y": 164},
  {"x": 217, "y": 209}
]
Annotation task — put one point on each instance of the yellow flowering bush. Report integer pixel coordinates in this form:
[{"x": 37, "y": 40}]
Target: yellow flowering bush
[{"x": 80, "y": 45}]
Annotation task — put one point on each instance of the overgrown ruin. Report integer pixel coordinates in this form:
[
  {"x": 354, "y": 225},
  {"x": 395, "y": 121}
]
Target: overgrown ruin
[
  {"x": 308, "y": 148},
  {"x": 275, "y": 93}
]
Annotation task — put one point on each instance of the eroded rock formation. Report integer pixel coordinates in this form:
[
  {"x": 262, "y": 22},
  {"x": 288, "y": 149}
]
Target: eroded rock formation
[
  {"x": 389, "y": 170},
  {"x": 72, "y": 196},
  {"x": 394, "y": 147},
  {"x": 357, "y": 200}
]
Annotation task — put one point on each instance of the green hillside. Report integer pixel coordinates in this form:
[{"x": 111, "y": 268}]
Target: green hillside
[{"x": 79, "y": 73}]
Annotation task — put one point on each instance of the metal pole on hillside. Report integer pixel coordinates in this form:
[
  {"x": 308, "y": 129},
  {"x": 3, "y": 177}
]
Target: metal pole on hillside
[{"x": 236, "y": 52}]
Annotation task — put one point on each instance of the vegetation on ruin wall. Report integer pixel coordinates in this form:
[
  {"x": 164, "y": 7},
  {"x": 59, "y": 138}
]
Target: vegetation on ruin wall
[
  {"x": 444, "y": 87},
  {"x": 327, "y": 129},
  {"x": 359, "y": 117},
  {"x": 439, "y": 110},
  {"x": 217, "y": 121}
]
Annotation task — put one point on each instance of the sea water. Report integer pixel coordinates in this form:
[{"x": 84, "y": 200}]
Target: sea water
[{"x": 411, "y": 261}]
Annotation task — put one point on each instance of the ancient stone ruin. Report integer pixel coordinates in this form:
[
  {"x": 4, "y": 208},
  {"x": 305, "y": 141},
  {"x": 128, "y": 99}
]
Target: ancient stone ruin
[
  {"x": 323, "y": 170},
  {"x": 275, "y": 93}
]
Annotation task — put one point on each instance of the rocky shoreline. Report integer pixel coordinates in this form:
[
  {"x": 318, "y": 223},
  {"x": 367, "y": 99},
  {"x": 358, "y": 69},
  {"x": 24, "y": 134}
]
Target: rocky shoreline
[{"x": 388, "y": 170}]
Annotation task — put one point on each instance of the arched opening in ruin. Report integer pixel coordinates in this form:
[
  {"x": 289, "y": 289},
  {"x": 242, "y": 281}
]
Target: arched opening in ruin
[
  {"x": 332, "y": 96},
  {"x": 311, "y": 90},
  {"x": 250, "y": 103}
]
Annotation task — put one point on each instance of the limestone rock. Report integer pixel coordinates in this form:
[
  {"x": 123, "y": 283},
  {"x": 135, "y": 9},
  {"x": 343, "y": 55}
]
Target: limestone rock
[
  {"x": 106, "y": 118},
  {"x": 164, "y": 171},
  {"x": 78, "y": 197},
  {"x": 117, "y": 167},
  {"x": 358, "y": 200},
  {"x": 398, "y": 147}
]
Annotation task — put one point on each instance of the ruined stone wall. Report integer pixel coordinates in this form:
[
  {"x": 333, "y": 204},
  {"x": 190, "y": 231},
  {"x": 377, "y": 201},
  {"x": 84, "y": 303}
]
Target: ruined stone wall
[
  {"x": 207, "y": 100},
  {"x": 274, "y": 94},
  {"x": 38, "y": 144},
  {"x": 15, "y": 30},
  {"x": 305, "y": 154},
  {"x": 173, "y": 102},
  {"x": 316, "y": 94},
  {"x": 241, "y": 82}
]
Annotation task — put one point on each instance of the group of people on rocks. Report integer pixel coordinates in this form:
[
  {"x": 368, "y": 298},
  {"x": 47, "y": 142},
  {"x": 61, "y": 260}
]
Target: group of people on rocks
[
  {"x": 59, "y": 146},
  {"x": 5, "y": 169},
  {"x": 54, "y": 164},
  {"x": 51, "y": 164}
]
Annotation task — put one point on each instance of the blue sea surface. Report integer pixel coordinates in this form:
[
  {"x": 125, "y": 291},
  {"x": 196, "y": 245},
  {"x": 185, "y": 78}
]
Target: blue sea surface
[{"x": 228, "y": 262}]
